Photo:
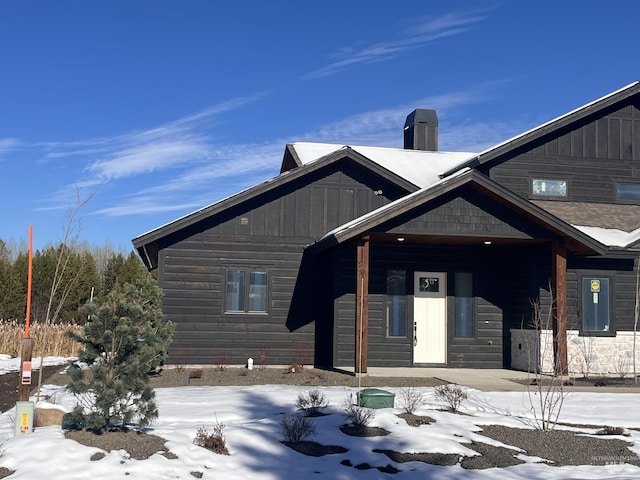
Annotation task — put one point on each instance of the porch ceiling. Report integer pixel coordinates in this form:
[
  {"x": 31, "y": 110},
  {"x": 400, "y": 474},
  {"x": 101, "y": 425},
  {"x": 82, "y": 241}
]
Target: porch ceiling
[{"x": 421, "y": 239}]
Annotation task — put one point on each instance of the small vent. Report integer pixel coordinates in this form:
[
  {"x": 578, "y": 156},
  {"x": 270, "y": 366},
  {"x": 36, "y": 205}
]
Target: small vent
[{"x": 244, "y": 221}]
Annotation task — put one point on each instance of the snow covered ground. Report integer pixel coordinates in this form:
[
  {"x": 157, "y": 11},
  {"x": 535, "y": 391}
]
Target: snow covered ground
[{"x": 252, "y": 416}]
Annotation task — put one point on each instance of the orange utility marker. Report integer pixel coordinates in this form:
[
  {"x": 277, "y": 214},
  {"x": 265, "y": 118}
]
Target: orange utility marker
[{"x": 24, "y": 408}]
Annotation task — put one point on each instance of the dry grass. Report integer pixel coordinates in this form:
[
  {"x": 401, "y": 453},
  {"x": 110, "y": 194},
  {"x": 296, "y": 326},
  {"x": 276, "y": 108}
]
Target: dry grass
[{"x": 58, "y": 345}]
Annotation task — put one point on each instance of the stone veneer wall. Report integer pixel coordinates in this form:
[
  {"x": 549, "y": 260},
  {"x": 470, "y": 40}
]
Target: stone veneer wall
[{"x": 532, "y": 351}]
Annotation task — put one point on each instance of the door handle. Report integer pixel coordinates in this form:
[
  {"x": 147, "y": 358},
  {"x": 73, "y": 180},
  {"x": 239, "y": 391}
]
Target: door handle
[{"x": 415, "y": 334}]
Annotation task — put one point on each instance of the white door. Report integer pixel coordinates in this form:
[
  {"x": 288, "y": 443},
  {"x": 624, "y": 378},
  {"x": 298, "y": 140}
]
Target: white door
[{"x": 430, "y": 317}]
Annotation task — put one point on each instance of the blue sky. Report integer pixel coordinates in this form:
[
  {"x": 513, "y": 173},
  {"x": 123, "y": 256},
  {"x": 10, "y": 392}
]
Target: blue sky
[{"x": 158, "y": 108}]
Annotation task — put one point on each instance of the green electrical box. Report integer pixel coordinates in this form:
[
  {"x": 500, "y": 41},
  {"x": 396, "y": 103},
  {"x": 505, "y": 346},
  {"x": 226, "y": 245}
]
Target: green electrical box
[
  {"x": 376, "y": 398},
  {"x": 24, "y": 417}
]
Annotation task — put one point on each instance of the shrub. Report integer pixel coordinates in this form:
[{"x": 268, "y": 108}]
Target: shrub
[
  {"x": 356, "y": 415},
  {"x": 452, "y": 394},
  {"x": 124, "y": 340},
  {"x": 410, "y": 400},
  {"x": 312, "y": 403},
  {"x": 296, "y": 428},
  {"x": 222, "y": 360},
  {"x": 609, "y": 430},
  {"x": 213, "y": 441}
]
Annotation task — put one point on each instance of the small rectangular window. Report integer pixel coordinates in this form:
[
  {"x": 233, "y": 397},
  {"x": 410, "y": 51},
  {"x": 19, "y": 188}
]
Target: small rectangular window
[
  {"x": 628, "y": 191},
  {"x": 595, "y": 305},
  {"x": 396, "y": 303},
  {"x": 241, "y": 299},
  {"x": 463, "y": 288},
  {"x": 544, "y": 187}
]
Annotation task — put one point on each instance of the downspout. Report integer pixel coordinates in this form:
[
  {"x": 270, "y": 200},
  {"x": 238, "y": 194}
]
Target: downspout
[
  {"x": 635, "y": 320},
  {"x": 360, "y": 336}
]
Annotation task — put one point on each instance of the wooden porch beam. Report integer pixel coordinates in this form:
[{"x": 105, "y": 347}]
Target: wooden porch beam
[
  {"x": 559, "y": 286},
  {"x": 362, "y": 305}
]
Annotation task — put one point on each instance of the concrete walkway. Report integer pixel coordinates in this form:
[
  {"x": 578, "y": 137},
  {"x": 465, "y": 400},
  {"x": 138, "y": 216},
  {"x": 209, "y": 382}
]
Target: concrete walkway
[{"x": 486, "y": 380}]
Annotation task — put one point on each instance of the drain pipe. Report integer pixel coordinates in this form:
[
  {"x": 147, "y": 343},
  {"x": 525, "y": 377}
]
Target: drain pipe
[{"x": 360, "y": 339}]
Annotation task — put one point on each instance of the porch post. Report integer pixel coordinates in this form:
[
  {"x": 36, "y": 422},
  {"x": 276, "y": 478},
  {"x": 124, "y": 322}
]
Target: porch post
[
  {"x": 559, "y": 253},
  {"x": 362, "y": 305}
]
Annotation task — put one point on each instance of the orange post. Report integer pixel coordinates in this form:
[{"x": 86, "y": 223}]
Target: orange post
[{"x": 27, "y": 343}]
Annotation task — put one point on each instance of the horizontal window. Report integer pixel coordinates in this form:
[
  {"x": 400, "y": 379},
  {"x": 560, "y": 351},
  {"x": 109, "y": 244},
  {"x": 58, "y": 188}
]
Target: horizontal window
[
  {"x": 628, "y": 191},
  {"x": 544, "y": 187},
  {"x": 241, "y": 299}
]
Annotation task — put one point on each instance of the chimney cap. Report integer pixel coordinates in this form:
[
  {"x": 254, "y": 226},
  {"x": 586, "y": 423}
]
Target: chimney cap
[{"x": 421, "y": 116}]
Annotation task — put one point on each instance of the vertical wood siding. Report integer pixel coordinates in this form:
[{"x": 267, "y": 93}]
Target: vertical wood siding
[
  {"x": 267, "y": 233},
  {"x": 591, "y": 156}
]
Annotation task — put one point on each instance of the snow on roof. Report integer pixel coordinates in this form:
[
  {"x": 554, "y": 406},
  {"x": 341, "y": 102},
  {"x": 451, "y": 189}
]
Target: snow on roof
[
  {"x": 611, "y": 237},
  {"x": 420, "y": 167}
]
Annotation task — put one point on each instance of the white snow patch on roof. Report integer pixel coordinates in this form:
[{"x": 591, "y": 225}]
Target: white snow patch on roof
[
  {"x": 610, "y": 236},
  {"x": 420, "y": 167}
]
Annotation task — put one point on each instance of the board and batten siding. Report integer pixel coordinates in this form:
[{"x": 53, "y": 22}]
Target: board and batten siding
[
  {"x": 591, "y": 156},
  {"x": 267, "y": 232}
]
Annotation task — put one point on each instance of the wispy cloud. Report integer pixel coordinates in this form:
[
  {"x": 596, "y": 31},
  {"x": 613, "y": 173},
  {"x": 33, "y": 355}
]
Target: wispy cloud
[
  {"x": 383, "y": 127},
  {"x": 181, "y": 143},
  {"x": 204, "y": 170},
  {"x": 144, "y": 205},
  {"x": 8, "y": 145},
  {"x": 417, "y": 36}
]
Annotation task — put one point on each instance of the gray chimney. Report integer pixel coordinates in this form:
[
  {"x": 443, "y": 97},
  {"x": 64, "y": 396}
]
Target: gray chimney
[{"x": 421, "y": 130}]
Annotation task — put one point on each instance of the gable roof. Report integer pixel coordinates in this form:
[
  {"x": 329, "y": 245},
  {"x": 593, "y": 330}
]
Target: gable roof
[
  {"x": 540, "y": 131},
  {"x": 423, "y": 174},
  {"x": 420, "y": 167},
  {"x": 148, "y": 244},
  {"x": 576, "y": 239}
]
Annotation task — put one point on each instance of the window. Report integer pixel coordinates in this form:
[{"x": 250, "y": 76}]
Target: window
[
  {"x": 627, "y": 191},
  {"x": 595, "y": 305},
  {"x": 544, "y": 187},
  {"x": 396, "y": 303},
  {"x": 463, "y": 288},
  {"x": 239, "y": 297}
]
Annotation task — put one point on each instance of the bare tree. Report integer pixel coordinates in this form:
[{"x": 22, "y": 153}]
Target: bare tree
[
  {"x": 63, "y": 280},
  {"x": 546, "y": 392}
]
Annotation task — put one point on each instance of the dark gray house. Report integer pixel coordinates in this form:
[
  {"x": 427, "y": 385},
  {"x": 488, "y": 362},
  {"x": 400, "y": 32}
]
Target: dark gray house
[{"x": 365, "y": 256}]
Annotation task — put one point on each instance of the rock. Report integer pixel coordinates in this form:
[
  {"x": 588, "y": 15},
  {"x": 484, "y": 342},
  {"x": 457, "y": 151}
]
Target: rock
[{"x": 43, "y": 417}]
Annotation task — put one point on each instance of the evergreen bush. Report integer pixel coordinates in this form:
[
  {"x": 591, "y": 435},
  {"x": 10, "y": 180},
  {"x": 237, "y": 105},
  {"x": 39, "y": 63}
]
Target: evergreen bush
[{"x": 124, "y": 341}]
